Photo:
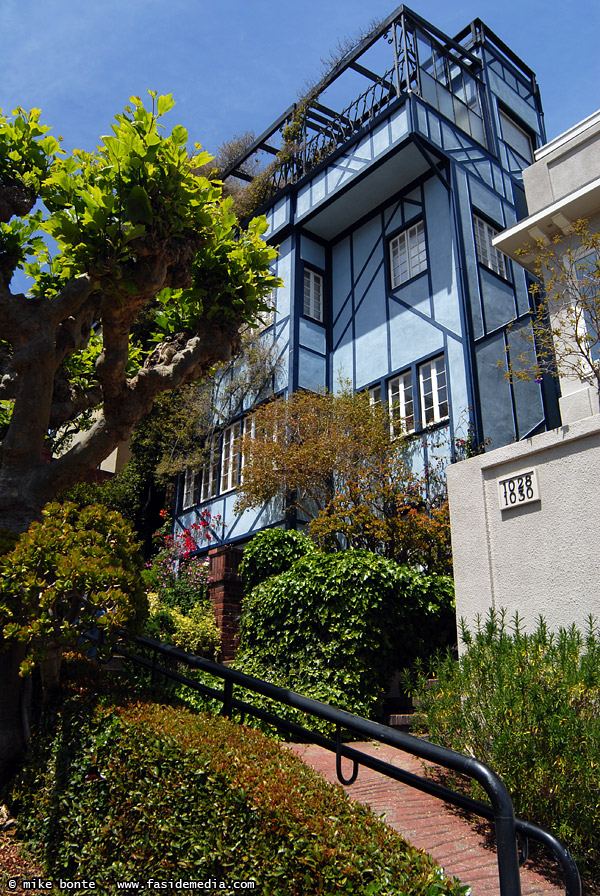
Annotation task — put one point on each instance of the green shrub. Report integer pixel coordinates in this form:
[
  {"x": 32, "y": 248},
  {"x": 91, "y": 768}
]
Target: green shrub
[
  {"x": 75, "y": 570},
  {"x": 180, "y": 584},
  {"x": 131, "y": 791},
  {"x": 272, "y": 552},
  {"x": 195, "y": 632},
  {"x": 335, "y": 627},
  {"x": 529, "y": 706}
]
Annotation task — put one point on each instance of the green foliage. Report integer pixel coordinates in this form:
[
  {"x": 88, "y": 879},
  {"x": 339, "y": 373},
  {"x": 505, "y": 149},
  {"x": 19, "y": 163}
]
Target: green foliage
[
  {"x": 139, "y": 184},
  {"x": 121, "y": 492},
  {"x": 195, "y": 631},
  {"x": 528, "y": 705},
  {"x": 132, "y": 791},
  {"x": 143, "y": 251},
  {"x": 336, "y": 626},
  {"x": 332, "y": 457},
  {"x": 270, "y": 553},
  {"x": 180, "y": 610},
  {"x": 75, "y": 570}
]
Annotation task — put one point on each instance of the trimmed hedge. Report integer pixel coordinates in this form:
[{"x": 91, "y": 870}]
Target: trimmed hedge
[
  {"x": 125, "y": 790},
  {"x": 272, "y": 552},
  {"x": 335, "y": 627}
]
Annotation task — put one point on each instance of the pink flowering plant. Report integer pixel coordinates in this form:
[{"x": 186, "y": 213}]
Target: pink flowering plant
[
  {"x": 177, "y": 575},
  {"x": 177, "y": 581}
]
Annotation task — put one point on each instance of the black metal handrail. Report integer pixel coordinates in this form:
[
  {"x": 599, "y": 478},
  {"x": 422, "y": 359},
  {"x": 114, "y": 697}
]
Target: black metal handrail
[{"x": 501, "y": 811}]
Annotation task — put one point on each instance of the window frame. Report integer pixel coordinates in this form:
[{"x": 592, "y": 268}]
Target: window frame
[
  {"x": 375, "y": 393},
  {"x": 440, "y": 405},
  {"x": 487, "y": 255},
  {"x": 508, "y": 116},
  {"x": 189, "y": 491},
  {"x": 231, "y": 449},
  {"x": 310, "y": 308},
  {"x": 209, "y": 485},
  {"x": 416, "y": 263},
  {"x": 406, "y": 399}
]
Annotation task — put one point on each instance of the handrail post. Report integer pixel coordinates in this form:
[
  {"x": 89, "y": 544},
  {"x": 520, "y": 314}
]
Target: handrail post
[
  {"x": 227, "y": 698},
  {"x": 153, "y": 670},
  {"x": 508, "y": 855}
]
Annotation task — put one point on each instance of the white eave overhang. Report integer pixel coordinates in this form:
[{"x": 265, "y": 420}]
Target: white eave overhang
[{"x": 551, "y": 221}]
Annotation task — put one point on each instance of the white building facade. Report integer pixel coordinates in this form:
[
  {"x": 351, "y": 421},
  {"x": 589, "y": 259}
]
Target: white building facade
[{"x": 525, "y": 517}]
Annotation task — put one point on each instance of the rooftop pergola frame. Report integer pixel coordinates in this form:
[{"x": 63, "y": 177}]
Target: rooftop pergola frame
[{"x": 404, "y": 54}]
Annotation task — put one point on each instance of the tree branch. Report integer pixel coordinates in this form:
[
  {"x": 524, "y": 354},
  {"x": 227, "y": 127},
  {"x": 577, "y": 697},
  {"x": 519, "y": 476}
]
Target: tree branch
[
  {"x": 172, "y": 364},
  {"x": 69, "y": 300},
  {"x": 69, "y": 408}
]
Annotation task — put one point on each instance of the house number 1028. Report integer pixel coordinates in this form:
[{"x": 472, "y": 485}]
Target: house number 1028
[{"x": 518, "y": 490}]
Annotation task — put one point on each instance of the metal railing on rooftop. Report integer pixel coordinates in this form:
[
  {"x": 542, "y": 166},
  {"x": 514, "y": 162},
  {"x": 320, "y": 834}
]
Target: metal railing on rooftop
[
  {"x": 403, "y": 55},
  {"x": 499, "y": 810}
]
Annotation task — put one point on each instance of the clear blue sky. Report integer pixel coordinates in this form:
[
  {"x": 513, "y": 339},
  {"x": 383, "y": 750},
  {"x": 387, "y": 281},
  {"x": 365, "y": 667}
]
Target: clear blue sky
[{"x": 234, "y": 66}]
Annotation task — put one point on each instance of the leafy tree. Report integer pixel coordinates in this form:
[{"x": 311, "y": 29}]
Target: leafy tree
[
  {"x": 74, "y": 571},
  {"x": 334, "y": 459},
  {"x": 177, "y": 433},
  {"x": 147, "y": 290},
  {"x": 188, "y": 424},
  {"x": 565, "y": 336},
  {"x": 146, "y": 285}
]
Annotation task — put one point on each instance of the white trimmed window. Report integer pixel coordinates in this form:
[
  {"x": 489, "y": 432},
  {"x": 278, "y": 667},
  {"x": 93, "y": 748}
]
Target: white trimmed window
[
  {"x": 434, "y": 391},
  {"x": 408, "y": 254},
  {"x": 374, "y": 393},
  {"x": 401, "y": 404},
  {"x": 190, "y": 479},
  {"x": 248, "y": 431},
  {"x": 230, "y": 457},
  {"x": 210, "y": 472},
  {"x": 313, "y": 295},
  {"x": 486, "y": 254}
]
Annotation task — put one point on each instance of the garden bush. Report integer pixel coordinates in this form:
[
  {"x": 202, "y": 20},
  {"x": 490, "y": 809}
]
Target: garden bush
[
  {"x": 272, "y": 552},
  {"x": 195, "y": 632},
  {"x": 123, "y": 790},
  {"x": 179, "y": 584},
  {"x": 180, "y": 610},
  {"x": 529, "y": 706},
  {"x": 74, "y": 571},
  {"x": 335, "y": 627}
]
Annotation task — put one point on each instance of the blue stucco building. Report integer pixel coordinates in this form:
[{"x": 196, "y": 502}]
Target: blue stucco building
[{"x": 406, "y": 162}]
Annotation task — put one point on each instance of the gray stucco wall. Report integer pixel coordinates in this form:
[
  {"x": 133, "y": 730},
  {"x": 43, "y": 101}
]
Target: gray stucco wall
[{"x": 538, "y": 557}]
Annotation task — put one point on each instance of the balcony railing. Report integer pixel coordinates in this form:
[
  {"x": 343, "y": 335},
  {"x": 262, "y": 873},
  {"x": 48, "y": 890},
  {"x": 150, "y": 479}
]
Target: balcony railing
[{"x": 403, "y": 55}]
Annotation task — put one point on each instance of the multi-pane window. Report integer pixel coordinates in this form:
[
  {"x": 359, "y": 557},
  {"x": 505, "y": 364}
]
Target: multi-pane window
[
  {"x": 189, "y": 488},
  {"x": 374, "y": 393},
  {"x": 210, "y": 472},
  {"x": 230, "y": 457},
  {"x": 401, "y": 404},
  {"x": 434, "y": 391},
  {"x": 313, "y": 294},
  {"x": 486, "y": 254},
  {"x": 408, "y": 254},
  {"x": 516, "y": 137}
]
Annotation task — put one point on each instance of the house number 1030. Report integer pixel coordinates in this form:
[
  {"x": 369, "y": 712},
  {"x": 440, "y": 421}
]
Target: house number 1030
[{"x": 519, "y": 489}]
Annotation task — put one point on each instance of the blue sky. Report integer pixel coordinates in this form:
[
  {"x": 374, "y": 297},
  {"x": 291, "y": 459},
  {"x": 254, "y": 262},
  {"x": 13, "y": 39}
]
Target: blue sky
[{"x": 236, "y": 66}]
